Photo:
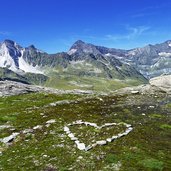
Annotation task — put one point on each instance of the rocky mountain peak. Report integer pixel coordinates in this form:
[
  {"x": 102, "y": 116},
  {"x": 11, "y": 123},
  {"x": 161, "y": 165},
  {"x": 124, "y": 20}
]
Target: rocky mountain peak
[
  {"x": 32, "y": 47},
  {"x": 7, "y": 41},
  {"x": 81, "y": 47}
]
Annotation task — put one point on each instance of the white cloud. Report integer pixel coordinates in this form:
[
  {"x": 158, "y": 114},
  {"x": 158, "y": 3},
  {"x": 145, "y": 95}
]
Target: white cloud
[{"x": 133, "y": 32}]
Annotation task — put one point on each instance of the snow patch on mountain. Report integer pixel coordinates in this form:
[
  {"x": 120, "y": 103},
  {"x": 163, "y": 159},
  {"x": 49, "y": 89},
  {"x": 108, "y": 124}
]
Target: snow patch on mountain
[
  {"x": 165, "y": 54},
  {"x": 108, "y": 54},
  {"x": 169, "y": 44},
  {"x": 72, "y": 51},
  {"x": 23, "y": 65},
  {"x": 5, "y": 59}
]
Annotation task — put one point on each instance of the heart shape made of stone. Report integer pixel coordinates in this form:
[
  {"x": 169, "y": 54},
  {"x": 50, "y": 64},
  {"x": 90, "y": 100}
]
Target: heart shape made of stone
[{"x": 82, "y": 146}]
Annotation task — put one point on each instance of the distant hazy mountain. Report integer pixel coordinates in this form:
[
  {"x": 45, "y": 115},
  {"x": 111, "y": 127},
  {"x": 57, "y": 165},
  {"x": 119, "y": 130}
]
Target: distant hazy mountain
[{"x": 151, "y": 60}]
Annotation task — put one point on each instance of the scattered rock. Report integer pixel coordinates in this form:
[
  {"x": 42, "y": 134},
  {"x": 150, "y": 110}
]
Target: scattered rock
[
  {"x": 51, "y": 121},
  {"x": 80, "y": 157},
  {"x": 109, "y": 139},
  {"x": 26, "y": 131},
  {"x": 102, "y": 142},
  {"x": 66, "y": 129},
  {"x": 9, "y": 88},
  {"x": 10, "y": 138},
  {"x": 38, "y": 127},
  {"x": 81, "y": 146},
  {"x": 4, "y": 126},
  {"x": 134, "y": 92}
]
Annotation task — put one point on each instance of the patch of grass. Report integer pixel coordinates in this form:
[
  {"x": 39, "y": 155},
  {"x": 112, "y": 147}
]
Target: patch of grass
[
  {"x": 155, "y": 115},
  {"x": 165, "y": 126},
  {"x": 152, "y": 164},
  {"x": 111, "y": 158},
  {"x": 7, "y": 118},
  {"x": 168, "y": 105}
]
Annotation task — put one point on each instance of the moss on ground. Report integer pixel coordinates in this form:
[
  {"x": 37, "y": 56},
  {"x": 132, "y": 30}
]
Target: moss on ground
[{"x": 147, "y": 147}]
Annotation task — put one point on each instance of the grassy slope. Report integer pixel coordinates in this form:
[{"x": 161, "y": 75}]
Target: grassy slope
[
  {"x": 147, "y": 147},
  {"x": 29, "y": 78},
  {"x": 93, "y": 83}
]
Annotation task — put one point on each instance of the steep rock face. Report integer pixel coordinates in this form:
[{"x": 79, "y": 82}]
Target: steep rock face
[{"x": 11, "y": 55}]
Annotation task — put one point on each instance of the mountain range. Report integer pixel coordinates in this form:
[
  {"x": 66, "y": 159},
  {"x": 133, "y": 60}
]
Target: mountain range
[{"x": 84, "y": 61}]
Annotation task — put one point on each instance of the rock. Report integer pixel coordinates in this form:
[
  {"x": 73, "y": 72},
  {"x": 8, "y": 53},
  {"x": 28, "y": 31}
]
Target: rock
[
  {"x": 47, "y": 125},
  {"x": 71, "y": 135},
  {"x": 67, "y": 130},
  {"x": 74, "y": 138},
  {"x": 80, "y": 146},
  {"x": 9, "y": 88},
  {"x": 38, "y": 127},
  {"x": 61, "y": 102},
  {"x": 102, "y": 142},
  {"x": 88, "y": 148},
  {"x": 9, "y": 138},
  {"x": 26, "y": 131},
  {"x": 109, "y": 139},
  {"x": 163, "y": 81},
  {"x": 4, "y": 126},
  {"x": 114, "y": 137},
  {"x": 51, "y": 121},
  {"x": 109, "y": 124},
  {"x": 134, "y": 92},
  {"x": 80, "y": 157}
]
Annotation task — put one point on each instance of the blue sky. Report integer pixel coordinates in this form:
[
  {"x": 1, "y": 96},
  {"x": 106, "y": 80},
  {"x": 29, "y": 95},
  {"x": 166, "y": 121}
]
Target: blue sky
[{"x": 54, "y": 25}]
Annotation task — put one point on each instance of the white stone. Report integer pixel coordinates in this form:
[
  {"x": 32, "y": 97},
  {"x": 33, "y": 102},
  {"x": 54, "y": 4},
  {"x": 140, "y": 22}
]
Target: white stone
[
  {"x": 80, "y": 146},
  {"x": 88, "y": 148},
  {"x": 4, "y": 126},
  {"x": 109, "y": 139},
  {"x": 102, "y": 142},
  {"x": 9, "y": 138},
  {"x": 74, "y": 138},
  {"x": 80, "y": 157},
  {"x": 38, "y": 127},
  {"x": 109, "y": 124},
  {"x": 134, "y": 92},
  {"x": 51, "y": 121},
  {"x": 27, "y": 131},
  {"x": 71, "y": 135},
  {"x": 66, "y": 129},
  {"x": 93, "y": 124},
  {"x": 114, "y": 137}
]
